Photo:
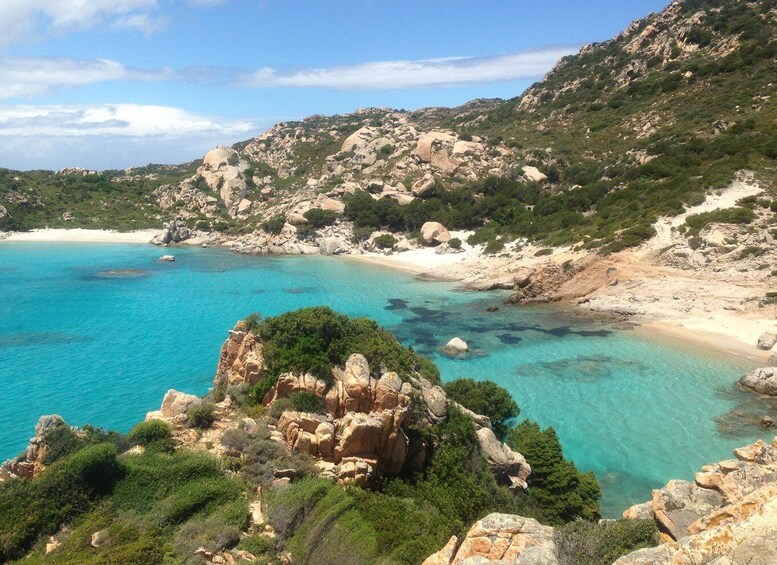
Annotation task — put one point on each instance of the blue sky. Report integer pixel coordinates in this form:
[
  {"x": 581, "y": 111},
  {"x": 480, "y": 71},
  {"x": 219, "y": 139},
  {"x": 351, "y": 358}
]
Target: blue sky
[{"x": 118, "y": 83}]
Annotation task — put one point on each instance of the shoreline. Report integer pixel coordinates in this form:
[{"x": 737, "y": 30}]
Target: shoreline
[
  {"x": 80, "y": 235},
  {"x": 732, "y": 340}
]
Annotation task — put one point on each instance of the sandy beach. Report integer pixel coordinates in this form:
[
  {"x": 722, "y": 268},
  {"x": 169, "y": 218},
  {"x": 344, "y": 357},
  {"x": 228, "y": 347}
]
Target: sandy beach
[{"x": 80, "y": 235}]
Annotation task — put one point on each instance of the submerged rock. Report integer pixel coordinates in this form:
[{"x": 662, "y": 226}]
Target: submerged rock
[{"x": 167, "y": 258}]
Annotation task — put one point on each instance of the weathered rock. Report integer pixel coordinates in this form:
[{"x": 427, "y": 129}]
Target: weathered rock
[
  {"x": 167, "y": 258},
  {"x": 501, "y": 538},
  {"x": 424, "y": 186},
  {"x": 456, "y": 346},
  {"x": 425, "y": 148},
  {"x": 30, "y": 462},
  {"x": 762, "y": 381},
  {"x": 175, "y": 232},
  {"x": 510, "y": 467},
  {"x": 772, "y": 362},
  {"x": 332, "y": 246},
  {"x": 175, "y": 404},
  {"x": 100, "y": 539},
  {"x": 435, "y": 232},
  {"x": 241, "y": 359},
  {"x": 534, "y": 174},
  {"x": 766, "y": 341}
]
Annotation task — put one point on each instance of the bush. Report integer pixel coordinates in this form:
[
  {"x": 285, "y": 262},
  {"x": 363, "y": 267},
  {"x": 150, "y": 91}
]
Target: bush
[
  {"x": 486, "y": 398},
  {"x": 318, "y": 218},
  {"x": 263, "y": 456},
  {"x": 385, "y": 241},
  {"x": 555, "y": 485},
  {"x": 154, "y": 435},
  {"x": 259, "y": 546},
  {"x": 697, "y": 222},
  {"x": 201, "y": 415},
  {"x": 274, "y": 225},
  {"x": 66, "y": 489},
  {"x": 314, "y": 340},
  {"x": 253, "y": 321},
  {"x": 307, "y": 401},
  {"x": 235, "y": 440},
  {"x": 454, "y": 243},
  {"x": 590, "y": 543}
]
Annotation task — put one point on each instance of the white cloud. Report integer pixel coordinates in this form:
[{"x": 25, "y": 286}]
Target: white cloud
[
  {"x": 32, "y": 76},
  {"x": 112, "y": 135},
  {"x": 132, "y": 120},
  {"x": 23, "y": 19},
  {"x": 381, "y": 75}
]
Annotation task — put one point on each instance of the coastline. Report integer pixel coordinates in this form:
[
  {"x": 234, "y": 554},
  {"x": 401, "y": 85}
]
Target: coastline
[
  {"x": 721, "y": 331},
  {"x": 80, "y": 235}
]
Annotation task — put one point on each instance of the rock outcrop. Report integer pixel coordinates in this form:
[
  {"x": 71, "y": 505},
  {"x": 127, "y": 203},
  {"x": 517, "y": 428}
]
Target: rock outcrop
[
  {"x": 762, "y": 381},
  {"x": 500, "y": 538},
  {"x": 364, "y": 432},
  {"x": 435, "y": 232},
  {"x": 766, "y": 341},
  {"x": 30, "y": 462},
  {"x": 727, "y": 515}
]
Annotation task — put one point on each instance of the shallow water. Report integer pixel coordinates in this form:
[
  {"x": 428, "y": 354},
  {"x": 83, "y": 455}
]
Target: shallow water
[{"x": 98, "y": 333}]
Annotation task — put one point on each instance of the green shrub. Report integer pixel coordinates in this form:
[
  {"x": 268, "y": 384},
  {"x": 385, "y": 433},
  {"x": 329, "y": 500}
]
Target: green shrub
[
  {"x": 307, "y": 401},
  {"x": 454, "y": 243},
  {"x": 313, "y": 340},
  {"x": 385, "y": 241},
  {"x": 264, "y": 455},
  {"x": 555, "y": 485},
  {"x": 591, "y": 543},
  {"x": 486, "y": 398},
  {"x": 63, "y": 491},
  {"x": 543, "y": 252},
  {"x": 235, "y": 440},
  {"x": 387, "y": 150},
  {"x": 201, "y": 415},
  {"x": 274, "y": 225},
  {"x": 318, "y": 218},
  {"x": 252, "y": 322},
  {"x": 154, "y": 435},
  {"x": 697, "y": 222},
  {"x": 260, "y": 546}
]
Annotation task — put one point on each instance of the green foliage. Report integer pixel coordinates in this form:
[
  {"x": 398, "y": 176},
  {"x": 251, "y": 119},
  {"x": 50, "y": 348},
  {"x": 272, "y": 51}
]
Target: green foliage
[
  {"x": 555, "y": 485},
  {"x": 252, "y": 322},
  {"x": 457, "y": 483},
  {"x": 591, "y": 543},
  {"x": 385, "y": 241},
  {"x": 313, "y": 340},
  {"x": 259, "y": 546},
  {"x": 201, "y": 415},
  {"x": 61, "y": 441},
  {"x": 263, "y": 455},
  {"x": 486, "y": 398},
  {"x": 274, "y": 225},
  {"x": 307, "y": 401},
  {"x": 154, "y": 435},
  {"x": 318, "y": 218},
  {"x": 454, "y": 243},
  {"x": 68, "y": 488},
  {"x": 697, "y": 222}
]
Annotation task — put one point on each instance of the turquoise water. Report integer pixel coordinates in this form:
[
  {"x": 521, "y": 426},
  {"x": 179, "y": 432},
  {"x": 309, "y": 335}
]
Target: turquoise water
[{"x": 103, "y": 348}]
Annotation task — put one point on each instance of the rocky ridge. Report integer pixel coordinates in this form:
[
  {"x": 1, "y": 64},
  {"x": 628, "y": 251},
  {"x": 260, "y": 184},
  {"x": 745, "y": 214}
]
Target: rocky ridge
[
  {"x": 728, "y": 515},
  {"x": 365, "y": 430}
]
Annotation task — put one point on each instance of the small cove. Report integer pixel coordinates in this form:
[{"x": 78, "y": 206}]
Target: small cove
[{"x": 99, "y": 332}]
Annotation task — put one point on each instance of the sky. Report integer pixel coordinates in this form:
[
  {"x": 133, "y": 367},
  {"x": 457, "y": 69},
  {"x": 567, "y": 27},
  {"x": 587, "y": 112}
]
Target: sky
[{"x": 110, "y": 84}]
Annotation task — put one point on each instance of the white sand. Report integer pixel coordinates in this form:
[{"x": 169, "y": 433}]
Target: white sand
[{"x": 79, "y": 235}]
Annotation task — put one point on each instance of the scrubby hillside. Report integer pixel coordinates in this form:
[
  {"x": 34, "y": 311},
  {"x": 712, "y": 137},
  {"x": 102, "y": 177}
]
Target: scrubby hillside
[{"x": 613, "y": 138}]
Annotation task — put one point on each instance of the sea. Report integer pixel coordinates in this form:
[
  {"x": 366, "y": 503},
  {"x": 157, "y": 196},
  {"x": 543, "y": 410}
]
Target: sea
[{"x": 99, "y": 332}]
